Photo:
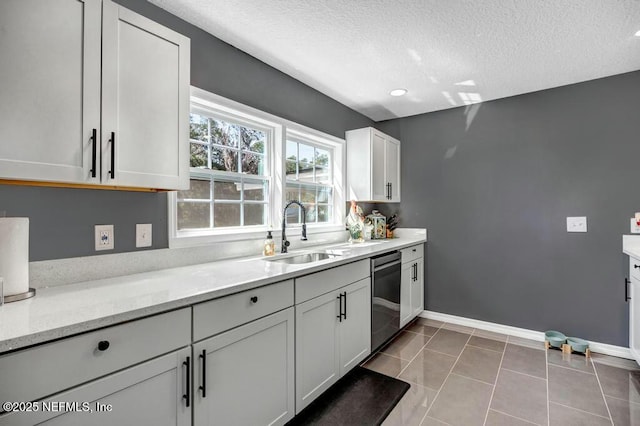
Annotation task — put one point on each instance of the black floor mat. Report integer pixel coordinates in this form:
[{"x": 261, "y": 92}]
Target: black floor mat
[{"x": 362, "y": 397}]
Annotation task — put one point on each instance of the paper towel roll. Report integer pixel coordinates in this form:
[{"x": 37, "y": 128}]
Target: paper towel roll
[{"x": 14, "y": 254}]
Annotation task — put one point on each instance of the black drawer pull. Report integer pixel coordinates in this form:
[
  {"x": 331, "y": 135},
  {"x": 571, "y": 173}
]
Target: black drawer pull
[
  {"x": 626, "y": 289},
  {"x": 94, "y": 140},
  {"x": 636, "y": 266},
  {"x": 103, "y": 345},
  {"x": 187, "y": 395},
  {"x": 254, "y": 299},
  {"x": 112, "y": 172},
  {"x": 203, "y": 388}
]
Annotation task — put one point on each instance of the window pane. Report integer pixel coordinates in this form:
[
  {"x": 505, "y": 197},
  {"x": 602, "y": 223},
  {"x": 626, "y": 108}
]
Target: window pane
[
  {"x": 199, "y": 189},
  {"x": 252, "y": 139},
  {"x": 199, "y": 128},
  {"x": 193, "y": 215},
  {"x": 291, "y": 169},
  {"x": 293, "y": 214},
  {"x": 324, "y": 213},
  {"x": 292, "y": 151},
  {"x": 226, "y": 190},
  {"x": 252, "y": 164},
  {"x": 226, "y": 215},
  {"x": 254, "y": 214},
  {"x": 305, "y": 163},
  {"x": 198, "y": 155},
  {"x": 224, "y": 159},
  {"x": 292, "y": 192},
  {"x": 322, "y": 157},
  {"x": 308, "y": 195},
  {"x": 324, "y": 194},
  {"x": 255, "y": 190},
  {"x": 323, "y": 175},
  {"x": 223, "y": 133},
  {"x": 310, "y": 212}
]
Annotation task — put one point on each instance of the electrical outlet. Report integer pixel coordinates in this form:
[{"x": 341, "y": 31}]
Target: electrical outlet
[
  {"x": 143, "y": 235},
  {"x": 577, "y": 224},
  {"x": 104, "y": 237},
  {"x": 635, "y": 229}
]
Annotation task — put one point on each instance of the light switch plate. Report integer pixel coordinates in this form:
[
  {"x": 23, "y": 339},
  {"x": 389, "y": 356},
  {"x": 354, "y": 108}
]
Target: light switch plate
[
  {"x": 577, "y": 224},
  {"x": 104, "y": 237},
  {"x": 635, "y": 229},
  {"x": 143, "y": 235}
]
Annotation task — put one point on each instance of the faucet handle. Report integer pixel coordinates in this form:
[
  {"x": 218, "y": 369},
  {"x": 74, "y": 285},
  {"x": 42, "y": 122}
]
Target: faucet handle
[{"x": 304, "y": 232}]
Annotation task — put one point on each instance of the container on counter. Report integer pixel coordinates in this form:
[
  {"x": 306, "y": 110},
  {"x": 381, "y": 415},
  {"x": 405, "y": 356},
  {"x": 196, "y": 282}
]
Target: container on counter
[{"x": 379, "y": 223}]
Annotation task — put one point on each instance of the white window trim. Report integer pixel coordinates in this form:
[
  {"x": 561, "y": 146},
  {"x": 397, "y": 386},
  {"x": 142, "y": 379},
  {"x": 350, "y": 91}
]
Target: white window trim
[{"x": 281, "y": 127}]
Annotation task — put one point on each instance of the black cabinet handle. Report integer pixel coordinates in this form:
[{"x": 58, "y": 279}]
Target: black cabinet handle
[
  {"x": 203, "y": 388},
  {"x": 113, "y": 155},
  {"x": 414, "y": 250},
  {"x": 636, "y": 266},
  {"x": 345, "y": 305},
  {"x": 94, "y": 141},
  {"x": 103, "y": 345},
  {"x": 339, "y": 307},
  {"x": 254, "y": 299},
  {"x": 187, "y": 395},
  {"x": 626, "y": 290},
  {"x": 390, "y": 190}
]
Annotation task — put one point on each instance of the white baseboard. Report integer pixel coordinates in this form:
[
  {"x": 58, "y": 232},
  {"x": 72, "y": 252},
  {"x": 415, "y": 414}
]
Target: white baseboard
[{"x": 602, "y": 348}]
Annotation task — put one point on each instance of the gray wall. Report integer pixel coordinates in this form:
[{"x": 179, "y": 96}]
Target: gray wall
[
  {"x": 495, "y": 197},
  {"x": 62, "y": 220}
]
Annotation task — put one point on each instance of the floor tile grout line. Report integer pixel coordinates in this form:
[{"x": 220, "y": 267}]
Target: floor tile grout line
[
  {"x": 414, "y": 357},
  {"x": 486, "y": 349},
  {"x": 445, "y": 379},
  {"x": 472, "y": 378},
  {"x": 511, "y": 415},
  {"x": 524, "y": 374},
  {"x": 569, "y": 368},
  {"x": 602, "y": 392},
  {"x": 621, "y": 399},
  {"x": 493, "y": 391},
  {"x": 578, "y": 409},
  {"x": 438, "y": 420}
]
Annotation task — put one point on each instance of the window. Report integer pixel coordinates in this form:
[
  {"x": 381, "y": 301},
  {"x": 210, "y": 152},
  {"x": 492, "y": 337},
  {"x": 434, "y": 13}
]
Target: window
[
  {"x": 245, "y": 166},
  {"x": 229, "y": 175},
  {"x": 309, "y": 180}
]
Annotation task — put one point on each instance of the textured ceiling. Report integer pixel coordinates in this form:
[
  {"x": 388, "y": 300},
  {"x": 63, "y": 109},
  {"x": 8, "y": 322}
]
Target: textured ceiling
[{"x": 445, "y": 53}]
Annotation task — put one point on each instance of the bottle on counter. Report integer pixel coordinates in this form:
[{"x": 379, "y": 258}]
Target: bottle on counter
[{"x": 269, "y": 248}]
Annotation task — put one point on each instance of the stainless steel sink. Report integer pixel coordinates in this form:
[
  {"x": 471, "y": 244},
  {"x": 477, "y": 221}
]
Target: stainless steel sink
[{"x": 304, "y": 258}]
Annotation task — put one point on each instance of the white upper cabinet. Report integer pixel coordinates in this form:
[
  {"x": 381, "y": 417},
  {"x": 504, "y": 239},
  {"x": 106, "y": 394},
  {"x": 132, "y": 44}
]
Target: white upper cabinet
[
  {"x": 74, "y": 69},
  {"x": 373, "y": 166},
  {"x": 50, "y": 89}
]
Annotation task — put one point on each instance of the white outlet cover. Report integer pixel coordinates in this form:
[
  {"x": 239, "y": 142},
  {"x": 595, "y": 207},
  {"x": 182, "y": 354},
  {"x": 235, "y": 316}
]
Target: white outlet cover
[
  {"x": 143, "y": 235},
  {"x": 104, "y": 237},
  {"x": 577, "y": 224},
  {"x": 635, "y": 229}
]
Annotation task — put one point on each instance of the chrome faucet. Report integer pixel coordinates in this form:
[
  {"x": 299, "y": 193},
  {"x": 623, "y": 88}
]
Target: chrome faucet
[{"x": 285, "y": 242}]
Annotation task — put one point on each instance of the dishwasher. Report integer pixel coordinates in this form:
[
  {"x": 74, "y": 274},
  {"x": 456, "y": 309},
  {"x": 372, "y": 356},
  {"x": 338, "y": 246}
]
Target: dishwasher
[{"x": 385, "y": 298}]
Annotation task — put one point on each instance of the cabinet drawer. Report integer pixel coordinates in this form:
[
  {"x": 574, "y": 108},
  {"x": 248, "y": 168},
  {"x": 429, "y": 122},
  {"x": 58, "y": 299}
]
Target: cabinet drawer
[
  {"x": 633, "y": 271},
  {"x": 49, "y": 368},
  {"x": 412, "y": 253},
  {"x": 222, "y": 314},
  {"x": 314, "y": 285}
]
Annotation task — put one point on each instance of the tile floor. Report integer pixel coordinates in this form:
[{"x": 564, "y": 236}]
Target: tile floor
[{"x": 463, "y": 376}]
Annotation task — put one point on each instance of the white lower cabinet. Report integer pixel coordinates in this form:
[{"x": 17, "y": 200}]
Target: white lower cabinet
[
  {"x": 333, "y": 334},
  {"x": 152, "y": 393},
  {"x": 245, "y": 376},
  {"x": 411, "y": 284}
]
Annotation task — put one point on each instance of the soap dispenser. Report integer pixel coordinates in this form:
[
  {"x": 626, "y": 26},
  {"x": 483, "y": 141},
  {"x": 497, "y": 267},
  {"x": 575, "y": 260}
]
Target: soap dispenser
[{"x": 269, "y": 245}]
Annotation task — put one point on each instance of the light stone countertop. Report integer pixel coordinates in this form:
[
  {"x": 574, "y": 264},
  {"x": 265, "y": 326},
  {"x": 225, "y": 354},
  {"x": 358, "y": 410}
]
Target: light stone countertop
[
  {"x": 631, "y": 245},
  {"x": 66, "y": 310}
]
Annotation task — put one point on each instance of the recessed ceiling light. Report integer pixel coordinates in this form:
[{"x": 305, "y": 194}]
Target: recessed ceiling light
[{"x": 398, "y": 92}]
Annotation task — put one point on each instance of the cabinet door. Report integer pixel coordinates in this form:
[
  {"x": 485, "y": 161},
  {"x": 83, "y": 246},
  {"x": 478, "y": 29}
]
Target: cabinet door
[
  {"x": 417, "y": 289},
  {"x": 317, "y": 357},
  {"x": 247, "y": 377},
  {"x": 634, "y": 317},
  {"x": 148, "y": 394},
  {"x": 378, "y": 168},
  {"x": 392, "y": 169},
  {"x": 145, "y": 101},
  {"x": 355, "y": 330},
  {"x": 406, "y": 278},
  {"x": 50, "y": 89}
]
